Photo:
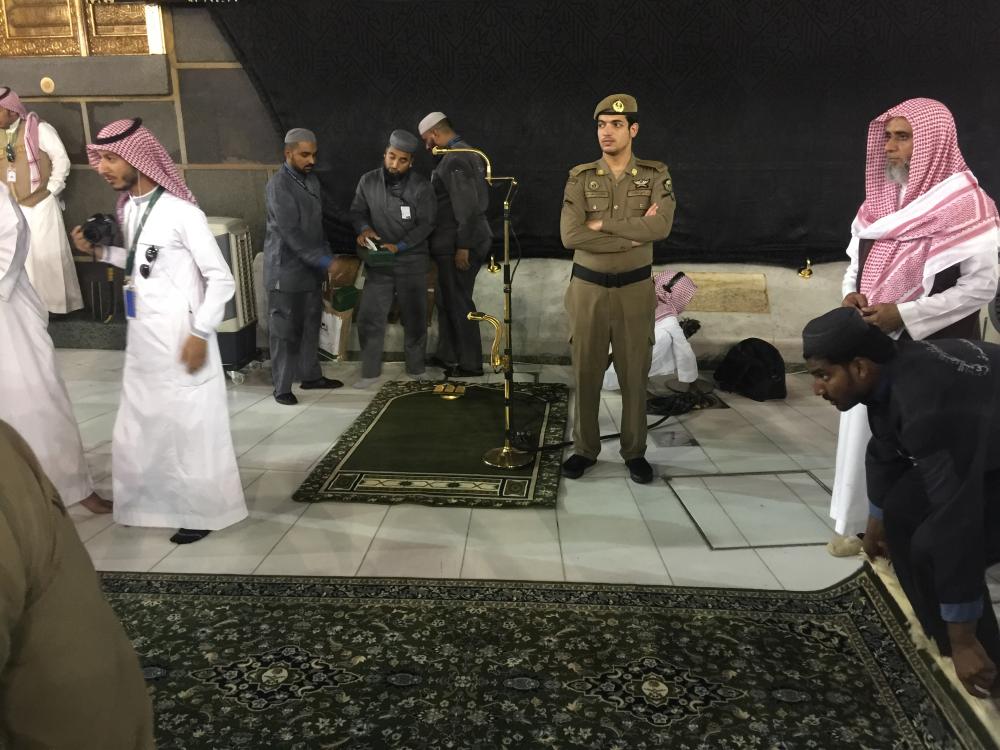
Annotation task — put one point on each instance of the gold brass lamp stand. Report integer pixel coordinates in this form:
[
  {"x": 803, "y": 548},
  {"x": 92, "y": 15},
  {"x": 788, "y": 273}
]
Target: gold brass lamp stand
[{"x": 506, "y": 457}]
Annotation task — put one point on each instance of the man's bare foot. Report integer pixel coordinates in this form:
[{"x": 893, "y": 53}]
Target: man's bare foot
[{"x": 97, "y": 504}]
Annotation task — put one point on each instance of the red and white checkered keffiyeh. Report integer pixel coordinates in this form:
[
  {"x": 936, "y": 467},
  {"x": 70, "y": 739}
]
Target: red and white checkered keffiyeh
[
  {"x": 951, "y": 211},
  {"x": 11, "y": 101},
  {"x": 679, "y": 296},
  {"x": 142, "y": 151}
]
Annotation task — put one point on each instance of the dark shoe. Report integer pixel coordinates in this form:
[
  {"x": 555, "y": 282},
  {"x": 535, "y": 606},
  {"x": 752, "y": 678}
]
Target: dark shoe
[
  {"x": 309, "y": 385},
  {"x": 574, "y": 466},
  {"x": 187, "y": 536},
  {"x": 639, "y": 470},
  {"x": 287, "y": 399},
  {"x": 460, "y": 372},
  {"x": 438, "y": 362}
]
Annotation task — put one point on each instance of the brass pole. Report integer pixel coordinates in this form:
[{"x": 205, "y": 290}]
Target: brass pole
[{"x": 506, "y": 457}]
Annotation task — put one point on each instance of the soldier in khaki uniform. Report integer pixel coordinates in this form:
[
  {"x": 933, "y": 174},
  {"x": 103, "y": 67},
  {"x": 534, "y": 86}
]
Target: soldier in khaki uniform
[{"x": 613, "y": 210}]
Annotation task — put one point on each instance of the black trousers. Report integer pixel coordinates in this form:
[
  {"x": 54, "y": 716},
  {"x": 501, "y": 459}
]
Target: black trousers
[
  {"x": 911, "y": 538},
  {"x": 459, "y": 339}
]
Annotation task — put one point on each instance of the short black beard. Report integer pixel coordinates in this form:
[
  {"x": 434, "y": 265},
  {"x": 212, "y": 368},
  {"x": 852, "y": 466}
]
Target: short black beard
[
  {"x": 130, "y": 183},
  {"x": 392, "y": 179}
]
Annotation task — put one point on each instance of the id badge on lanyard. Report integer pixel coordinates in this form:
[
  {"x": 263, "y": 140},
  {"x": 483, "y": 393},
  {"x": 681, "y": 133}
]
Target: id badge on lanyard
[{"x": 129, "y": 287}]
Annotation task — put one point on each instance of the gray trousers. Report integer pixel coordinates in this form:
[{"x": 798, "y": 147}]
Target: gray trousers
[
  {"x": 373, "y": 311},
  {"x": 459, "y": 339},
  {"x": 294, "y": 319}
]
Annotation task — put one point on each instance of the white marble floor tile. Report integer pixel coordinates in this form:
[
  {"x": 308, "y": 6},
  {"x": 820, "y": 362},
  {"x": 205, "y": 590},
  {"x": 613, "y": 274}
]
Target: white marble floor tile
[
  {"x": 604, "y": 537},
  {"x": 328, "y": 539},
  {"x": 825, "y": 477},
  {"x": 765, "y": 510},
  {"x": 598, "y": 532},
  {"x": 129, "y": 548},
  {"x": 88, "y": 525},
  {"x": 807, "y": 568},
  {"x": 708, "y": 513},
  {"x": 239, "y": 398},
  {"x": 812, "y": 493},
  {"x": 298, "y": 443},
  {"x": 418, "y": 541},
  {"x": 253, "y": 424},
  {"x": 519, "y": 544},
  {"x": 85, "y": 412},
  {"x": 240, "y": 548},
  {"x": 733, "y": 444},
  {"x": 821, "y": 414},
  {"x": 798, "y": 437},
  {"x": 688, "y": 558}
]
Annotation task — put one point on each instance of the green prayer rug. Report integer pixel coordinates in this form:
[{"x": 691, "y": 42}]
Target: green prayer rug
[
  {"x": 412, "y": 445},
  {"x": 310, "y": 663}
]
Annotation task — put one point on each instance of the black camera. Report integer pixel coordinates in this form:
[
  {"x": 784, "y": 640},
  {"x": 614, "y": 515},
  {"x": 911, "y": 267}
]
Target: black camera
[{"x": 100, "y": 229}]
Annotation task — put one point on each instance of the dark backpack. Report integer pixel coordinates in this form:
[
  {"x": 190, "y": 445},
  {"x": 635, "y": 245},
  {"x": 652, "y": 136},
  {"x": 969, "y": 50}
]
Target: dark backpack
[{"x": 753, "y": 368}]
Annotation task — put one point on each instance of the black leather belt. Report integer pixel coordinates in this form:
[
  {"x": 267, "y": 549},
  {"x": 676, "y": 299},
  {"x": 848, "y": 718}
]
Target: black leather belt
[{"x": 612, "y": 280}]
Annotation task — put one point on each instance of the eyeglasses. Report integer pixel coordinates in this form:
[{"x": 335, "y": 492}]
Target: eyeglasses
[
  {"x": 146, "y": 268},
  {"x": 10, "y": 152}
]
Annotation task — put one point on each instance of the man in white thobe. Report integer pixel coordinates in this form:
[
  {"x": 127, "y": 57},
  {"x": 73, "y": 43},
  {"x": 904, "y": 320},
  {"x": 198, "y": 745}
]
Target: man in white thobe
[
  {"x": 33, "y": 398},
  {"x": 923, "y": 262},
  {"x": 172, "y": 457},
  {"x": 35, "y": 170}
]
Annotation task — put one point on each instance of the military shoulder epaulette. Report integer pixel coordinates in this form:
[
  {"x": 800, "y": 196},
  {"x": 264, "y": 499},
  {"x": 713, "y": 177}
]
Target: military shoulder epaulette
[
  {"x": 659, "y": 166},
  {"x": 580, "y": 168}
]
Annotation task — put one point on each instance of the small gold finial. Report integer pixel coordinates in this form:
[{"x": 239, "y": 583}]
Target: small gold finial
[
  {"x": 618, "y": 105},
  {"x": 806, "y": 271}
]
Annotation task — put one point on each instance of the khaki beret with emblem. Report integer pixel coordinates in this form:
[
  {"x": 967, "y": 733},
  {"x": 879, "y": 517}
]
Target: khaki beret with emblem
[{"x": 617, "y": 104}]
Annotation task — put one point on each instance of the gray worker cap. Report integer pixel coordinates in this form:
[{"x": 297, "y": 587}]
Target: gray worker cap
[{"x": 404, "y": 141}]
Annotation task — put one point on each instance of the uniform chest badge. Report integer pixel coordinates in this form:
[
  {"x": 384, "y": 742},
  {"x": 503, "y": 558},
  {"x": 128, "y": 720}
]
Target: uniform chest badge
[
  {"x": 644, "y": 183},
  {"x": 593, "y": 185}
]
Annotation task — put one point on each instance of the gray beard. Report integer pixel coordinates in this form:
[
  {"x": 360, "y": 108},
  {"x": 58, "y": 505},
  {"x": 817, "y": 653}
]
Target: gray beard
[{"x": 898, "y": 173}]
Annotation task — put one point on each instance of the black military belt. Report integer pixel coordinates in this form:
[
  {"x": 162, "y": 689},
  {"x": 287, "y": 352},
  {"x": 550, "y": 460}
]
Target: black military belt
[{"x": 612, "y": 279}]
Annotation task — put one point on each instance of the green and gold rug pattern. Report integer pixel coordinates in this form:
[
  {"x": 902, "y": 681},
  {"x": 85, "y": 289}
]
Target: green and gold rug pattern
[
  {"x": 412, "y": 445},
  {"x": 310, "y": 663}
]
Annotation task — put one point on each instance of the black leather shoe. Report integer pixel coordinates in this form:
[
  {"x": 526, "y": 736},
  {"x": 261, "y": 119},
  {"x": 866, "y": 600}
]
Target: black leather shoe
[
  {"x": 308, "y": 385},
  {"x": 574, "y": 466},
  {"x": 189, "y": 536},
  {"x": 461, "y": 372},
  {"x": 286, "y": 399},
  {"x": 639, "y": 470}
]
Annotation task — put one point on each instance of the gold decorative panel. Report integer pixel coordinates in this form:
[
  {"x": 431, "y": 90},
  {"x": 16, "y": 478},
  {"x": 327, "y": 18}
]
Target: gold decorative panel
[
  {"x": 53, "y": 27},
  {"x": 117, "y": 29},
  {"x": 39, "y": 27}
]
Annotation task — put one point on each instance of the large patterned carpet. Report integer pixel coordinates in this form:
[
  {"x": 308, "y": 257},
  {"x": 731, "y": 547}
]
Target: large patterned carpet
[
  {"x": 309, "y": 663},
  {"x": 412, "y": 445}
]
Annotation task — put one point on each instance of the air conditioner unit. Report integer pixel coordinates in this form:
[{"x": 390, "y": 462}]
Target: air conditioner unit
[{"x": 237, "y": 332}]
